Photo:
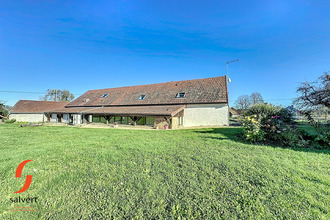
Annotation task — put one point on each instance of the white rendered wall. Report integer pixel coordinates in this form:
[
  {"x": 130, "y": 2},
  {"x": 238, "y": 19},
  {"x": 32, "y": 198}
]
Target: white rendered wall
[
  {"x": 33, "y": 117},
  {"x": 206, "y": 115},
  {"x": 76, "y": 119}
]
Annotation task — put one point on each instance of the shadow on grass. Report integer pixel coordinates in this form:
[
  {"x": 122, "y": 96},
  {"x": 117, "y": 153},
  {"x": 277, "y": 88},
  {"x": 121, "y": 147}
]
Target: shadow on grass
[
  {"x": 235, "y": 134},
  {"x": 222, "y": 133}
]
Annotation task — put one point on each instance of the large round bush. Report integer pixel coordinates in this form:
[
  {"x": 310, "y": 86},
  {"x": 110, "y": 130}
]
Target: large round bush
[{"x": 266, "y": 111}]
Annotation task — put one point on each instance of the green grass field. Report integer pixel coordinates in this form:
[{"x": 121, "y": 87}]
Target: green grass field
[
  {"x": 84, "y": 173},
  {"x": 308, "y": 128}
]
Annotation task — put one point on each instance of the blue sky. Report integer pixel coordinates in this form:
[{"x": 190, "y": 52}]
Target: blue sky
[{"x": 82, "y": 45}]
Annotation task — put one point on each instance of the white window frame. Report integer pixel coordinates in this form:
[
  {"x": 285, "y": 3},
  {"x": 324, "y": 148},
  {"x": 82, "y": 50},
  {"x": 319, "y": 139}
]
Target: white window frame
[
  {"x": 142, "y": 97},
  {"x": 179, "y": 96}
]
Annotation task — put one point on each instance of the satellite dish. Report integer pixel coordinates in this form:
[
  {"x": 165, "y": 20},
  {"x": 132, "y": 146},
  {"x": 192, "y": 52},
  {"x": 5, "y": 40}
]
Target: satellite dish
[{"x": 229, "y": 80}]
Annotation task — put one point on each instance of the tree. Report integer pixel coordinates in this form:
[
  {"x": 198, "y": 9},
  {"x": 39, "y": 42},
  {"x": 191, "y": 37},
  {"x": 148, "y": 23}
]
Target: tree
[
  {"x": 314, "y": 98},
  {"x": 312, "y": 95},
  {"x": 4, "y": 109},
  {"x": 256, "y": 98},
  {"x": 57, "y": 95},
  {"x": 3, "y": 112},
  {"x": 243, "y": 102}
]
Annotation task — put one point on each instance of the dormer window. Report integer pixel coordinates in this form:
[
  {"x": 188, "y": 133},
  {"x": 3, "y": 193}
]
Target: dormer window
[
  {"x": 104, "y": 95},
  {"x": 180, "y": 95},
  {"x": 142, "y": 97}
]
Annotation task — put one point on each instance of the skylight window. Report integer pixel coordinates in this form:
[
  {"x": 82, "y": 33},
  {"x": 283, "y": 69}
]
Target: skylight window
[
  {"x": 180, "y": 95},
  {"x": 104, "y": 95},
  {"x": 142, "y": 97}
]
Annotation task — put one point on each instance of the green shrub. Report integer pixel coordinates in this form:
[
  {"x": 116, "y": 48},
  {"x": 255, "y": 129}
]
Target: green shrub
[
  {"x": 273, "y": 131},
  {"x": 272, "y": 124},
  {"x": 266, "y": 111},
  {"x": 252, "y": 129},
  {"x": 322, "y": 128},
  {"x": 22, "y": 122},
  {"x": 10, "y": 120},
  {"x": 292, "y": 137},
  {"x": 323, "y": 139},
  {"x": 272, "y": 128}
]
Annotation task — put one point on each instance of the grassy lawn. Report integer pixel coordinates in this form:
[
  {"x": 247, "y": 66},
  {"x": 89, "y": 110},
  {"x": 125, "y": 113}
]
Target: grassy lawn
[
  {"x": 193, "y": 174},
  {"x": 308, "y": 128}
]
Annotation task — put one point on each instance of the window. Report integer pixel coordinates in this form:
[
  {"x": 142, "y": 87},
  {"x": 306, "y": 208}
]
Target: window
[
  {"x": 104, "y": 95},
  {"x": 150, "y": 120},
  {"x": 142, "y": 97},
  {"x": 180, "y": 95}
]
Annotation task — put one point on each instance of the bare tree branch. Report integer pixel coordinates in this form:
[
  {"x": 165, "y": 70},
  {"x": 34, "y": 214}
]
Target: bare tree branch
[
  {"x": 62, "y": 95},
  {"x": 314, "y": 94}
]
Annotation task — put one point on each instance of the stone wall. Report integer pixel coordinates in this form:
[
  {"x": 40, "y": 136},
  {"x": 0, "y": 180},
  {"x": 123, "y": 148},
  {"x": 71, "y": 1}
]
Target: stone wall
[
  {"x": 33, "y": 117},
  {"x": 175, "y": 123},
  {"x": 175, "y": 120}
]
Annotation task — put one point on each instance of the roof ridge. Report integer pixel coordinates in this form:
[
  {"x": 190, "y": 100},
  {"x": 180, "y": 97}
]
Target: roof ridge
[{"x": 40, "y": 100}]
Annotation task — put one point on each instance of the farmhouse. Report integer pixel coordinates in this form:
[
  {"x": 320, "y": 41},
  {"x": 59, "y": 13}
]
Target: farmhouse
[
  {"x": 33, "y": 111},
  {"x": 200, "y": 102},
  {"x": 233, "y": 112}
]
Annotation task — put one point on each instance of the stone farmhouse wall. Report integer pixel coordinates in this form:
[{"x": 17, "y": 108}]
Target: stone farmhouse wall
[{"x": 28, "y": 117}]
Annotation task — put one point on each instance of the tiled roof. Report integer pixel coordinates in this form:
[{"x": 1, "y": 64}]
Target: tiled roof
[
  {"x": 208, "y": 90},
  {"x": 170, "y": 110},
  {"x": 233, "y": 111},
  {"x": 71, "y": 110},
  {"x": 30, "y": 106}
]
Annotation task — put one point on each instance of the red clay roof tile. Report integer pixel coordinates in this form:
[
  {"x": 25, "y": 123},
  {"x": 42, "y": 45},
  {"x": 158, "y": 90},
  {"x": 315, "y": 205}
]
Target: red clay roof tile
[
  {"x": 208, "y": 90},
  {"x": 163, "y": 110},
  {"x": 30, "y": 106}
]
